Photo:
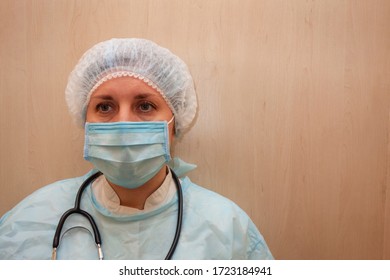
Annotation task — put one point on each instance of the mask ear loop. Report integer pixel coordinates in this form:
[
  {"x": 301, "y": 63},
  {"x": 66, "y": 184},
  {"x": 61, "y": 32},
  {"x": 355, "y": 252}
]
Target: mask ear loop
[{"x": 169, "y": 122}]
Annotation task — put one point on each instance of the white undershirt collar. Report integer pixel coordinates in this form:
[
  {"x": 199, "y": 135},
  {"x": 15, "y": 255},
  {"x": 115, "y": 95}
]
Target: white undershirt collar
[{"x": 107, "y": 197}]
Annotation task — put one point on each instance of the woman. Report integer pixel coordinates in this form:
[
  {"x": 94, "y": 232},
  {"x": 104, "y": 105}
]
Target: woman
[{"x": 134, "y": 98}]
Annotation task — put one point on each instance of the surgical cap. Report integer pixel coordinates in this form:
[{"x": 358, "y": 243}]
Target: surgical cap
[{"x": 138, "y": 58}]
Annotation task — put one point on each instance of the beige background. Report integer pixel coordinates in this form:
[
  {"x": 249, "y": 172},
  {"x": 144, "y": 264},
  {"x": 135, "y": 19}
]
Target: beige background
[{"x": 294, "y": 108}]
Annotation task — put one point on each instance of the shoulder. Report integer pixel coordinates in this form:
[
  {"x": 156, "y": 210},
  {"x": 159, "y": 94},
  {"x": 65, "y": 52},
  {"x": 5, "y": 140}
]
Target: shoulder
[
  {"x": 205, "y": 200},
  {"x": 48, "y": 197},
  {"x": 26, "y": 230},
  {"x": 53, "y": 193},
  {"x": 224, "y": 219}
]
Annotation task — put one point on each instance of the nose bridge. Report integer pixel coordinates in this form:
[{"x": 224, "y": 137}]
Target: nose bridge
[{"x": 125, "y": 113}]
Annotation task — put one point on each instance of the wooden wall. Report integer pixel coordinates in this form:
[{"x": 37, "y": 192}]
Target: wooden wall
[{"x": 293, "y": 120}]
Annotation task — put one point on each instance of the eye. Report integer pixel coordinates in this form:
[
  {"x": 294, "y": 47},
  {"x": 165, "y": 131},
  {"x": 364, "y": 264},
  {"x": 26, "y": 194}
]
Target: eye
[
  {"x": 146, "y": 107},
  {"x": 103, "y": 107}
]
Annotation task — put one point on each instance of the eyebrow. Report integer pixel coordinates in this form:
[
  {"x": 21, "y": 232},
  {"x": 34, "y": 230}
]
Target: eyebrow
[
  {"x": 139, "y": 96},
  {"x": 105, "y": 97},
  {"x": 144, "y": 95}
]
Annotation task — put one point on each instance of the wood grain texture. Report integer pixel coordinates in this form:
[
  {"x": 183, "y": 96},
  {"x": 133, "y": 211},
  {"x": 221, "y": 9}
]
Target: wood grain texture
[{"x": 293, "y": 122}]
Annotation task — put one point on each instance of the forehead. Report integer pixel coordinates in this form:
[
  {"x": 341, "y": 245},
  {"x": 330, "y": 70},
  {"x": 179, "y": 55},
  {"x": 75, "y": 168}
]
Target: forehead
[
  {"x": 128, "y": 85},
  {"x": 128, "y": 89}
]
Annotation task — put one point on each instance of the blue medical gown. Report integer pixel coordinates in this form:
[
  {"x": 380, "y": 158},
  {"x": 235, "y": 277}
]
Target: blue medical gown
[{"x": 213, "y": 228}]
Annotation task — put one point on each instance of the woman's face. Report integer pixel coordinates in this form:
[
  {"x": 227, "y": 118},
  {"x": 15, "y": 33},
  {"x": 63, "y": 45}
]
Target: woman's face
[{"x": 128, "y": 99}]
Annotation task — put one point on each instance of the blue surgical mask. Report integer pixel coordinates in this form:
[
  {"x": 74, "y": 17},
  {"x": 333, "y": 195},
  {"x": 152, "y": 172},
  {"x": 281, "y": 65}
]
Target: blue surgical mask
[{"x": 128, "y": 153}]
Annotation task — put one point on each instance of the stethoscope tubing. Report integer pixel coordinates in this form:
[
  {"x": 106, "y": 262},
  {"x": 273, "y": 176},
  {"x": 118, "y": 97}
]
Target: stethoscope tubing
[
  {"x": 77, "y": 210},
  {"x": 179, "y": 216}
]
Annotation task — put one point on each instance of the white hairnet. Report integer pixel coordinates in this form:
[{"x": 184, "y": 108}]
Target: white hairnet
[{"x": 138, "y": 58}]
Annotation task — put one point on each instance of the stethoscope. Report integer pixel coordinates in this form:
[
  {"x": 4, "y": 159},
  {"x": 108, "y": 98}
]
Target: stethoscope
[{"x": 77, "y": 210}]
